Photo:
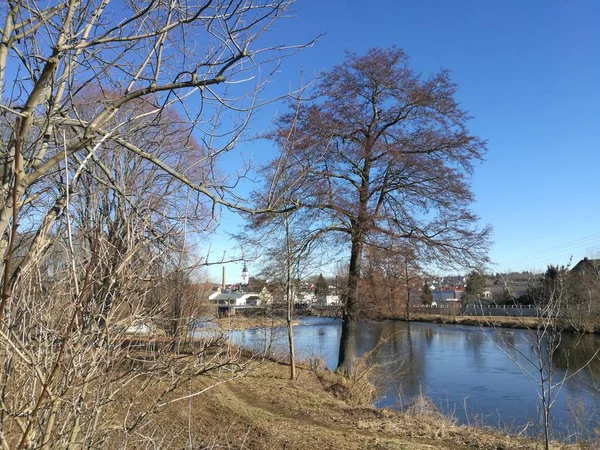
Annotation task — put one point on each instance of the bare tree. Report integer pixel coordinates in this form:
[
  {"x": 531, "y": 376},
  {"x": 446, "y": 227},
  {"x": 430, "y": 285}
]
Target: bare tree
[
  {"x": 391, "y": 273},
  {"x": 193, "y": 58},
  {"x": 551, "y": 296},
  {"x": 290, "y": 259},
  {"x": 112, "y": 121},
  {"x": 383, "y": 155},
  {"x": 287, "y": 257}
]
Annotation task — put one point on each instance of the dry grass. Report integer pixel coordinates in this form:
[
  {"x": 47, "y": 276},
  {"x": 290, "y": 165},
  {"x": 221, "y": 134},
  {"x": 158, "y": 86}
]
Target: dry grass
[
  {"x": 239, "y": 322},
  {"x": 583, "y": 326},
  {"x": 495, "y": 321},
  {"x": 318, "y": 410}
]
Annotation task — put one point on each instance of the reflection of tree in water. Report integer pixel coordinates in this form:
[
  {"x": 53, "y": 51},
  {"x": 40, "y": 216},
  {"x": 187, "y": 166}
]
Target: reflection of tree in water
[
  {"x": 503, "y": 339},
  {"x": 429, "y": 333},
  {"x": 519, "y": 347},
  {"x": 398, "y": 355},
  {"x": 475, "y": 341},
  {"x": 579, "y": 352},
  {"x": 576, "y": 360},
  {"x": 574, "y": 353},
  {"x": 317, "y": 340},
  {"x": 322, "y": 343}
]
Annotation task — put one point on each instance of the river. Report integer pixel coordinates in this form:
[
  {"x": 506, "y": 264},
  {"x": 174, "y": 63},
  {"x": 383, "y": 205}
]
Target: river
[{"x": 478, "y": 375}]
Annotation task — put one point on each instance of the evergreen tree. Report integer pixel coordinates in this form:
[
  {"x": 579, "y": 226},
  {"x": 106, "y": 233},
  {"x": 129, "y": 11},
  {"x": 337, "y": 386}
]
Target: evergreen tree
[
  {"x": 475, "y": 284},
  {"x": 426, "y": 295},
  {"x": 321, "y": 286}
]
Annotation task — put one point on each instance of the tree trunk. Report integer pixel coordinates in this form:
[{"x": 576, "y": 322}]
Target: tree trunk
[
  {"x": 407, "y": 313},
  {"x": 290, "y": 298},
  {"x": 347, "y": 339},
  {"x": 290, "y": 327},
  {"x": 350, "y": 317}
]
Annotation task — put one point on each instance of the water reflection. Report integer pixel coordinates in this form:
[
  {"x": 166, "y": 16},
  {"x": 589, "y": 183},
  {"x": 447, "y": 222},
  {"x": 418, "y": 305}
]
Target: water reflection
[{"x": 467, "y": 371}]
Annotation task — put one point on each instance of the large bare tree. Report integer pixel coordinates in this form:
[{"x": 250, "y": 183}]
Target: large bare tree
[{"x": 383, "y": 153}]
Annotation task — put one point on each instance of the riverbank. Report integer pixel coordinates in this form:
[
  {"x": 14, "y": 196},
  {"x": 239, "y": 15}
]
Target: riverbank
[
  {"x": 496, "y": 322},
  {"x": 457, "y": 319},
  {"x": 477, "y": 321},
  {"x": 318, "y": 410},
  {"x": 240, "y": 322}
]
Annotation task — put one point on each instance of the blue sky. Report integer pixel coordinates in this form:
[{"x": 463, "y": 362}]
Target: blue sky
[{"x": 528, "y": 71}]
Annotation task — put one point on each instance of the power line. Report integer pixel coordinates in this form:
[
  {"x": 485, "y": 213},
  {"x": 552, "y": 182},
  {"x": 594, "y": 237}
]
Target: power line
[{"x": 572, "y": 247}]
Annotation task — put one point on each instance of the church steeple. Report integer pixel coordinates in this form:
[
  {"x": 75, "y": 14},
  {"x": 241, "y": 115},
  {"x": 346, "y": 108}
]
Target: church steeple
[{"x": 245, "y": 278}]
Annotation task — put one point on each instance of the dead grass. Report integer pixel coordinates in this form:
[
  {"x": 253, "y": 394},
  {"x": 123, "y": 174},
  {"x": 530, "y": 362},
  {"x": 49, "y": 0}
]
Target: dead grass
[
  {"x": 495, "y": 321},
  {"x": 583, "y": 326},
  {"x": 239, "y": 322},
  {"x": 318, "y": 410}
]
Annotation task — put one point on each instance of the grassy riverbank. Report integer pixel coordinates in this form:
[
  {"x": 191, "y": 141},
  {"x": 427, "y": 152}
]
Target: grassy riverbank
[
  {"x": 457, "y": 319},
  {"x": 318, "y": 410},
  {"x": 589, "y": 327},
  {"x": 240, "y": 322},
  {"x": 495, "y": 321}
]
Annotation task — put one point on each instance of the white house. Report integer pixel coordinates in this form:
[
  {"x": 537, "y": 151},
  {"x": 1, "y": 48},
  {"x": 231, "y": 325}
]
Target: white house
[{"x": 225, "y": 297}]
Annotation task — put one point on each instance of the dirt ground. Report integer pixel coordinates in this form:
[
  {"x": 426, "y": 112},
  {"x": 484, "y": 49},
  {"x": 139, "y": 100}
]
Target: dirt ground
[{"x": 319, "y": 410}]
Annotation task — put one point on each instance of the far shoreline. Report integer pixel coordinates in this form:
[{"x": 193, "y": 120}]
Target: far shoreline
[{"x": 508, "y": 322}]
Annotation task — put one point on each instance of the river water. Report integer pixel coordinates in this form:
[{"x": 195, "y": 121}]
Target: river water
[{"x": 478, "y": 375}]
